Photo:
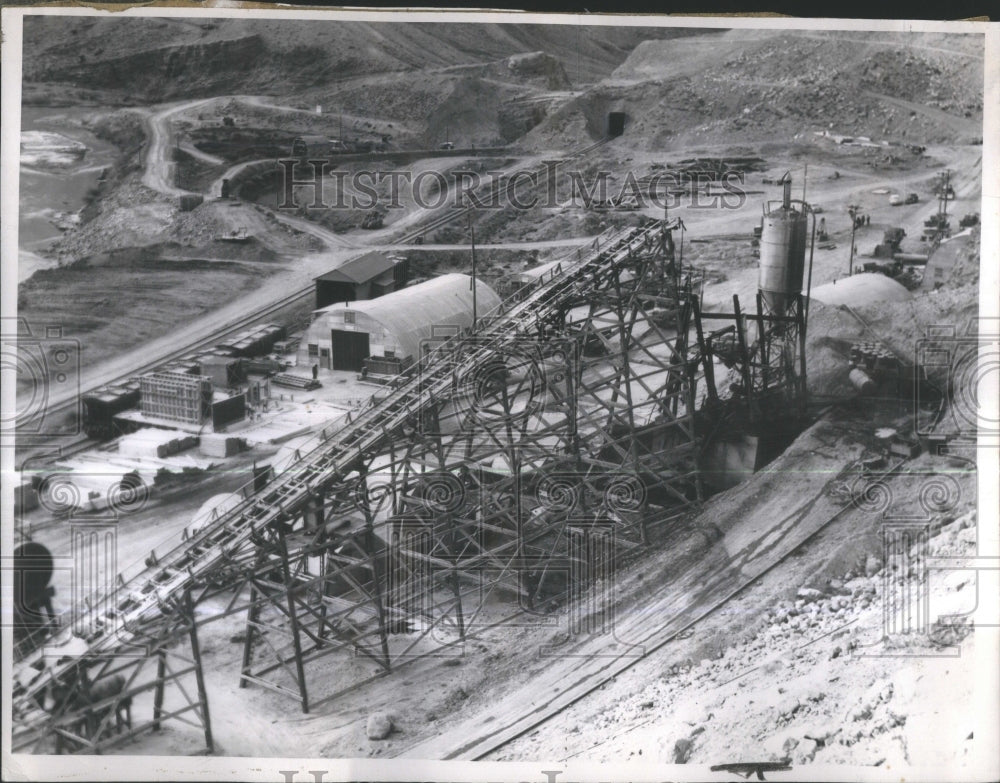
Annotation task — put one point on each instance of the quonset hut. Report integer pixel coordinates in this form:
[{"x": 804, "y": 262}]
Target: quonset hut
[{"x": 388, "y": 331}]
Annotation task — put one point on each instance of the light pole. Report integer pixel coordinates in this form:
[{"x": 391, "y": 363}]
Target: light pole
[{"x": 852, "y": 210}]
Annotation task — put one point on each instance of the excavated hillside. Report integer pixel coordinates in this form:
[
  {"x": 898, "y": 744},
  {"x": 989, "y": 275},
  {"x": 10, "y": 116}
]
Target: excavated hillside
[
  {"x": 162, "y": 59},
  {"x": 745, "y": 86}
]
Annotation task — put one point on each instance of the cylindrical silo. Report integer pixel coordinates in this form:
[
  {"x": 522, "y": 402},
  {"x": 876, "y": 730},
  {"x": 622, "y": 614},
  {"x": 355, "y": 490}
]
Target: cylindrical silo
[{"x": 782, "y": 256}]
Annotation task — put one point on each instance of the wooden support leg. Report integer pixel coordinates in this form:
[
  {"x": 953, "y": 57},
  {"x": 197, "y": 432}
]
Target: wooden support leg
[
  {"x": 377, "y": 589},
  {"x": 293, "y": 620},
  {"x": 199, "y": 675},
  {"x": 456, "y": 588},
  {"x": 324, "y": 566},
  {"x": 161, "y": 671},
  {"x": 252, "y": 614}
]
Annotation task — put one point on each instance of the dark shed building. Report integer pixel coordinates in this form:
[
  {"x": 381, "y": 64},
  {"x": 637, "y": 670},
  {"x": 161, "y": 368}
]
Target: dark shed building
[
  {"x": 368, "y": 276},
  {"x": 317, "y": 146}
]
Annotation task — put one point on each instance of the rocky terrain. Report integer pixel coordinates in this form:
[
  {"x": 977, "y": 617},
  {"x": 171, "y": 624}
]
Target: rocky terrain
[
  {"x": 778, "y": 693},
  {"x": 744, "y": 85}
]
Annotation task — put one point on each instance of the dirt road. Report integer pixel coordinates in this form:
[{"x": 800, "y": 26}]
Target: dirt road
[
  {"x": 204, "y": 157},
  {"x": 958, "y": 124},
  {"x": 159, "y": 173}
]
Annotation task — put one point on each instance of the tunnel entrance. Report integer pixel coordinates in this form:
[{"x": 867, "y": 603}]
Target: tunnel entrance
[{"x": 615, "y": 125}]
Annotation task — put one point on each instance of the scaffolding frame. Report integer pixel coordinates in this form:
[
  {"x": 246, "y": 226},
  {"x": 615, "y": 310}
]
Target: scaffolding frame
[
  {"x": 80, "y": 722},
  {"x": 769, "y": 358},
  {"x": 176, "y": 396},
  {"x": 570, "y": 409}
]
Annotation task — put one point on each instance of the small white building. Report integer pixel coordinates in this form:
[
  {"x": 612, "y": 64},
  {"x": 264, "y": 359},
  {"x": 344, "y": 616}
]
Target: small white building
[{"x": 393, "y": 327}]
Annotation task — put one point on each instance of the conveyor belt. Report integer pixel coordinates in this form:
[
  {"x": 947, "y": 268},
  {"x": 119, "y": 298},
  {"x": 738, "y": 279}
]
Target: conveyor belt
[{"x": 147, "y": 597}]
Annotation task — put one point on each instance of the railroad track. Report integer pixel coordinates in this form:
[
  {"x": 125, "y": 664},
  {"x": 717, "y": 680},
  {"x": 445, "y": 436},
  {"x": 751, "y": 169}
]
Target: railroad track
[
  {"x": 142, "y": 599},
  {"x": 410, "y": 236}
]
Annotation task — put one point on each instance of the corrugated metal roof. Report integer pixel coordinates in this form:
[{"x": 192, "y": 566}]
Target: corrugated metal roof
[
  {"x": 360, "y": 269},
  {"x": 412, "y": 313},
  {"x": 942, "y": 261}
]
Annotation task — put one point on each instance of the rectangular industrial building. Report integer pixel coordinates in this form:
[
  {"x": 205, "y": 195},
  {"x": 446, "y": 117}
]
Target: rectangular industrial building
[
  {"x": 367, "y": 276},
  {"x": 227, "y": 410},
  {"x": 176, "y": 397}
]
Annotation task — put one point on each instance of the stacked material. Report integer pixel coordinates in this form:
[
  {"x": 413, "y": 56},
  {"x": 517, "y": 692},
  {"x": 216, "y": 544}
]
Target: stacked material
[
  {"x": 874, "y": 357},
  {"x": 218, "y": 445},
  {"x": 295, "y": 381},
  {"x": 156, "y": 443},
  {"x": 255, "y": 341}
]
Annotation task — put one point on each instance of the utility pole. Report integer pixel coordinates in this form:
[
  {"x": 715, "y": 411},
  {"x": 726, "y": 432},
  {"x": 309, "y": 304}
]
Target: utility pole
[
  {"x": 852, "y": 210},
  {"x": 472, "y": 232},
  {"x": 945, "y": 185}
]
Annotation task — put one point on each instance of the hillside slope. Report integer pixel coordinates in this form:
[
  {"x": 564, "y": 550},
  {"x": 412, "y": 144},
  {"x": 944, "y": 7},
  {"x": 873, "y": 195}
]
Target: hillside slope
[
  {"x": 169, "y": 58},
  {"x": 771, "y": 84}
]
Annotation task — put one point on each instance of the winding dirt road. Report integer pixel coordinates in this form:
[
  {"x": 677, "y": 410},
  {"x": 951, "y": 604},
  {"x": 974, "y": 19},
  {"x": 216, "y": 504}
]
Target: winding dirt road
[{"x": 160, "y": 169}]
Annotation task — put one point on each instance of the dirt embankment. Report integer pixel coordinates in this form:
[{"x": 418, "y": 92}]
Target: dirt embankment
[
  {"x": 779, "y": 84},
  {"x": 115, "y": 302},
  {"x": 762, "y": 691}
]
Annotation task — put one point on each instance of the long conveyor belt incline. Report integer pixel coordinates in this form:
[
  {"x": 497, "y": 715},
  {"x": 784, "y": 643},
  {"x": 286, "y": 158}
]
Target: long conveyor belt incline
[{"x": 146, "y": 597}]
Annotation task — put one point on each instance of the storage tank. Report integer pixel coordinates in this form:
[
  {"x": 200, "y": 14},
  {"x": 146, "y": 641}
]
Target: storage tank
[
  {"x": 782, "y": 253},
  {"x": 862, "y": 381}
]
